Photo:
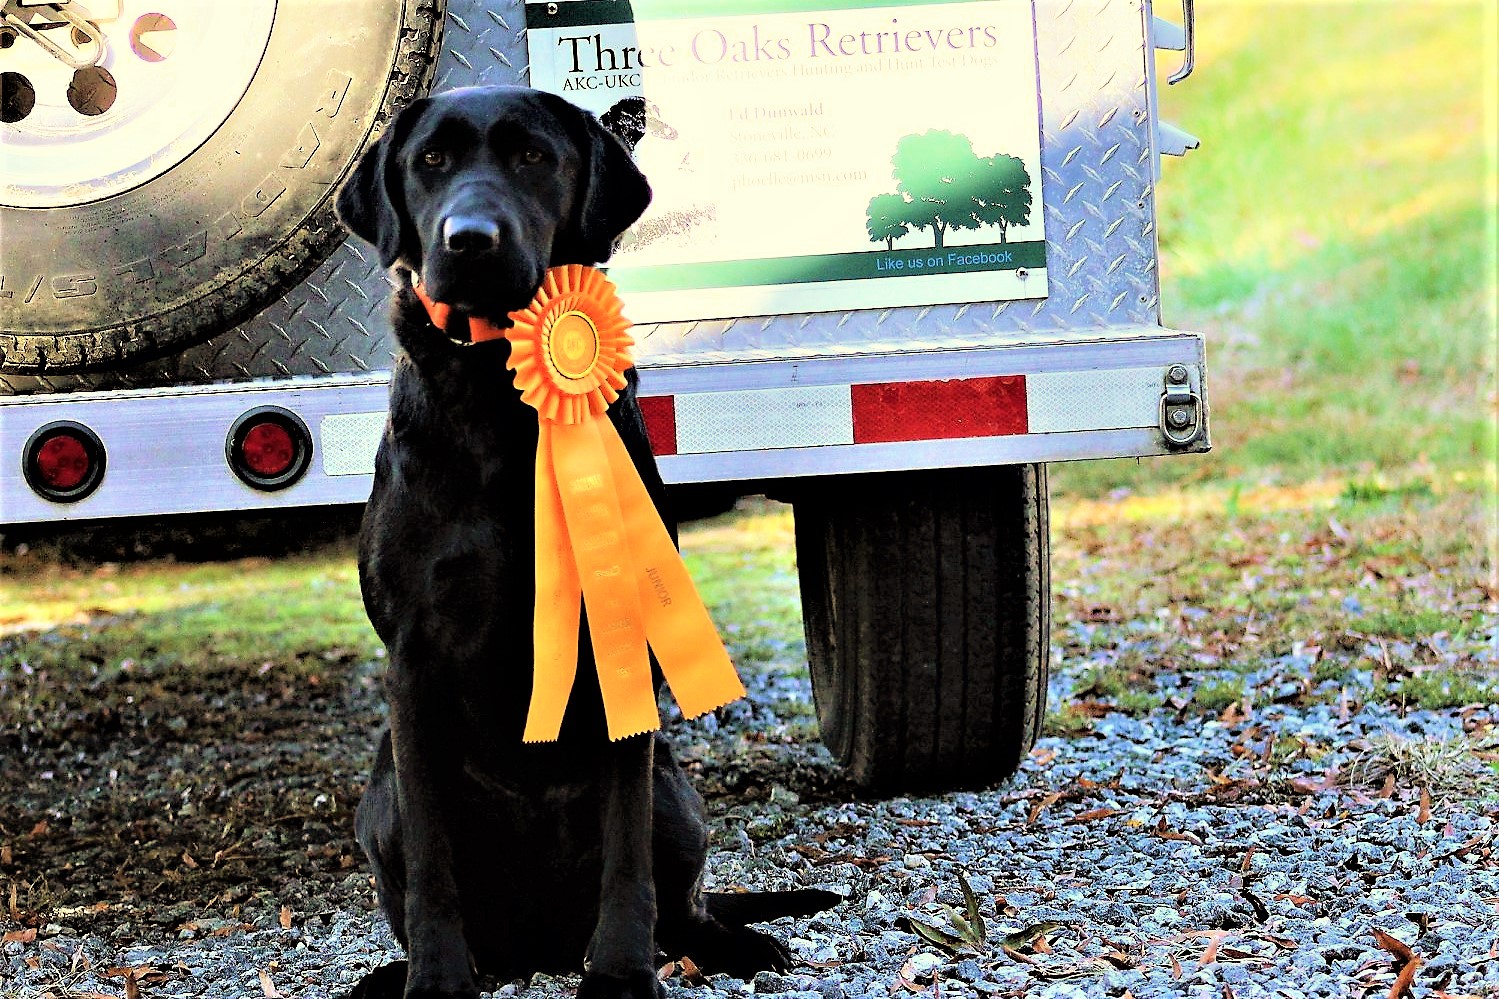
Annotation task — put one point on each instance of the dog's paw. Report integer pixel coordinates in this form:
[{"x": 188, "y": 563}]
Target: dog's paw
[
  {"x": 415, "y": 991},
  {"x": 429, "y": 988},
  {"x": 635, "y": 985},
  {"x": 385, "y": 982},
  {"x": 740, "y": 951}
]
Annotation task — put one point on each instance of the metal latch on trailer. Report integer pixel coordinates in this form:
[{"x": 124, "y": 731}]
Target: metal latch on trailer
[{"x": 1181, "y": 408}]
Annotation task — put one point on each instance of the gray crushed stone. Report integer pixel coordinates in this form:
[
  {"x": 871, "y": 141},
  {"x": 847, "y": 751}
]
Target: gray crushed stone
[{"x": 1170, "y": 864}]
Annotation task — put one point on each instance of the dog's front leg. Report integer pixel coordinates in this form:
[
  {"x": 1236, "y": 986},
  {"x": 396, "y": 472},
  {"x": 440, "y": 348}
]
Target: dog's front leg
[
  {"x": 440, "y": 967},
  {"x": 621, "y": 956}
]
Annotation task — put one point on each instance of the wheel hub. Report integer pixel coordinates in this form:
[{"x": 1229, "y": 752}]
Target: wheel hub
[{"x": 100, "y": 96}]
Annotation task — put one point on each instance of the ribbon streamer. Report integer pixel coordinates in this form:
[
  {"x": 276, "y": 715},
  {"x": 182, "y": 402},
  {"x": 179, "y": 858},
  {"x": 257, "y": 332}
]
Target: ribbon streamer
[{"x": 599, "y": 540}]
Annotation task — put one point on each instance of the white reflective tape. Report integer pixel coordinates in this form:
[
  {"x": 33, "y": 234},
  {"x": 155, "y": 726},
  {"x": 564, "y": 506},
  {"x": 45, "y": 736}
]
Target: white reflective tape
[
  {"x": 349, "y": 442},
  {"x": 1069, "y": 401},
  {"x": 762, "y": 419}
]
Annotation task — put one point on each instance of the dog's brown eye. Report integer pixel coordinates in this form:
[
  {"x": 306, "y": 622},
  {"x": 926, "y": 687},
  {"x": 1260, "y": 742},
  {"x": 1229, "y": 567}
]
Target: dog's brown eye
[
  {"x": 434, "y": 157},
  {"x": 532, "y": 156}
]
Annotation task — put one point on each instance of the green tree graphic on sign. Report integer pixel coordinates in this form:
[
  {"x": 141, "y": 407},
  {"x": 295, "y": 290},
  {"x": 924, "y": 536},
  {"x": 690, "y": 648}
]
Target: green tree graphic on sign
[
  {"x": 941, "y": 184},
  {"x": 888, "y": 219},
  {"x": 1003, "y": 192}
]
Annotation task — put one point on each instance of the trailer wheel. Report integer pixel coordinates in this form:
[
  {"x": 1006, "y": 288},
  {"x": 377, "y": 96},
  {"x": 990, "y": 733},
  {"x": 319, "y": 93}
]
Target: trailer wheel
[
  {"x": 926, "y": 602},
  {"x": 182, "y": 178}
]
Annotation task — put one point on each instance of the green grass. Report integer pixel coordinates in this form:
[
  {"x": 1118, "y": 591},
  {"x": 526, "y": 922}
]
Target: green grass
[
  {"x": 1411, "y": 623},
  {"x": 1214, "y": 695},
  {"x": 297, "y": 613},
  {"x": 1449, "y": 688},
  {"x": 1332, "y": 239},
  {"x": 744, "y": 565}
]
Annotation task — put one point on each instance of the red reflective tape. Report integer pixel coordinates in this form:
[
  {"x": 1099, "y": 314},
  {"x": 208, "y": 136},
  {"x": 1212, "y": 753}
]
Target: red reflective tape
[
  {"x": 939, "y": 410},
  {"x": 660, "y": 412}
]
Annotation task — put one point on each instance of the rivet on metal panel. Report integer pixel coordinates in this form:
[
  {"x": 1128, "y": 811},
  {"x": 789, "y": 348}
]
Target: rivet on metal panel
[{"x": 552, "y": 9}]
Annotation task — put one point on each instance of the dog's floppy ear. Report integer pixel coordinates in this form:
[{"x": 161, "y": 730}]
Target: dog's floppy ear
[
  {"x": 370, "y": 203},
  {"x": 613, "y": 193}
]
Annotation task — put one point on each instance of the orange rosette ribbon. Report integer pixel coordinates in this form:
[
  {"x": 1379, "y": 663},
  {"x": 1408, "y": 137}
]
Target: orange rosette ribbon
[{"x": 599, "y": 540}]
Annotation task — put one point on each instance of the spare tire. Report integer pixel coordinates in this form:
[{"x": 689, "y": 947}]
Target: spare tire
[{"x": 184, "y": 180}]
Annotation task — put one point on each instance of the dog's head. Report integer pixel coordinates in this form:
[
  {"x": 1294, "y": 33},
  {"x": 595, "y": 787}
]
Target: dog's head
[{"x": 478, "y": 191}]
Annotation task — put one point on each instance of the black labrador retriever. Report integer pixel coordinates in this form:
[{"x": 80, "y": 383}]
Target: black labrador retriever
[{"x": 493, "y": 858}]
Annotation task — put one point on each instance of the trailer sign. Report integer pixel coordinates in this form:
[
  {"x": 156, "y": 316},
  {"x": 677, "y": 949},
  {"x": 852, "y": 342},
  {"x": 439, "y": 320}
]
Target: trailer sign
[{"x": 813, "y": 155}]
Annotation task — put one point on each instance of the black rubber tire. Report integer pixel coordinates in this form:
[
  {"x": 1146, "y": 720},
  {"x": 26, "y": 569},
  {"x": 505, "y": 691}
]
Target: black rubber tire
[
  {"x": 926, "y": 599},
  {"x": 243, "y": 218}
]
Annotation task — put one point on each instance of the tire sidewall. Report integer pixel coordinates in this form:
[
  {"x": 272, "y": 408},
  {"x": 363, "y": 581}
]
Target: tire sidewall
[{"x": 216, "y": 237}]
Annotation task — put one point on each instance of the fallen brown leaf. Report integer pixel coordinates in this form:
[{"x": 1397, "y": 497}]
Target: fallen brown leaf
[
  {"x": 1161, "y": 832},
  {"x": 691, "y": 973},
  {"x": 1396, "y": 948},
  {"x": 1402, "y": 986},
  {"x": 267, "y": 986},
  {"x": 1210, "y": 955},
  {"x": 1092, "y": 816},
  {"x": 1041, "y": 806},
  {"x": 20, "y": 936},
  {"x": 285, "y": 919},
  {"x": 1423, "y": 814}
]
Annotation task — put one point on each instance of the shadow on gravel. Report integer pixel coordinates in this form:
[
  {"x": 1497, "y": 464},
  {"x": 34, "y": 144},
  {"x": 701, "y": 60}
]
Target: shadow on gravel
[
  {"x": 146, "y": 800},
  {"x": 143, "y": 799}
]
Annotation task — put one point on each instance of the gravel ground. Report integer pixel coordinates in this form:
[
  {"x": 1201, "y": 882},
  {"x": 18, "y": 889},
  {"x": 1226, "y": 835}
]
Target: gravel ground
[{"x": 1168, "y": 854}]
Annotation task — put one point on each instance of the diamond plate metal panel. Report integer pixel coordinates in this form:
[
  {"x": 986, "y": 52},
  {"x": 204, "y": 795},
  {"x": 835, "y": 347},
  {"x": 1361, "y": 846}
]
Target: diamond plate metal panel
[{"x": 1097, "y": 164}]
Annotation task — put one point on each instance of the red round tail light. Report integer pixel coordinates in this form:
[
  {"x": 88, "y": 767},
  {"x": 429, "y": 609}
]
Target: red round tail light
[
  {"x": 269, "y": 448},
  {"x": 64, "y": 462}
]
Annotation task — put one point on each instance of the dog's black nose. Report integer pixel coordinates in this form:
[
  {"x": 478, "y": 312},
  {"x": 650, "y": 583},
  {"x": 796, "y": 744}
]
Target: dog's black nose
[{"x": 467, "y": 234}]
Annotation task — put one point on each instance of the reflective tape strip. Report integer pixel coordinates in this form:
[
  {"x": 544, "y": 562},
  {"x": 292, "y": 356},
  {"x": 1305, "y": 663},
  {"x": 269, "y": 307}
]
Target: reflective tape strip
[
  {"x": 939, "y": 410},
  {"x": 348, "y": 442},
  {"x": 761, "y": 419},
  {"x": 825, "y": 415},
  {"x": 904, "y": 412},
  {"x": 660, "y": 414},
  {"x": 1069, "y": 401}
]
